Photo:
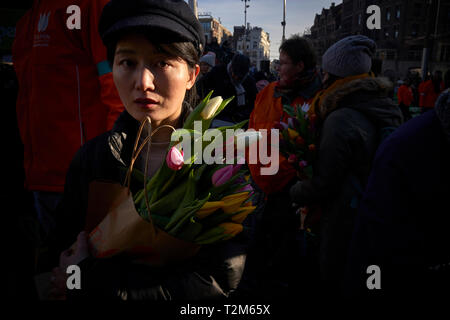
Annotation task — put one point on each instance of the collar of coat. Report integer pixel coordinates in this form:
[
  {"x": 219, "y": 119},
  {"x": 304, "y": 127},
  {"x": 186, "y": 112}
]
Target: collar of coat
[
  {"x": 364, "y": 86},
  {"x": 123, "y": 135}
]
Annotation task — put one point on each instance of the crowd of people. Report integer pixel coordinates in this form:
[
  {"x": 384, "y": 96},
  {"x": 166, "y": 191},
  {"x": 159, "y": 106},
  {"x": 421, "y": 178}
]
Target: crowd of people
[{"x": 377, "y": 196}]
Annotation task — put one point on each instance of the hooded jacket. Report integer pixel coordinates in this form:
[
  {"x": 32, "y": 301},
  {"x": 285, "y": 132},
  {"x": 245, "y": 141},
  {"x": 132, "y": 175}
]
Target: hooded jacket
[
  {"x": 213, "y": 273},
  {"x": 351, "y": 117},
  {"x": 403, "y": 220},
  {"x": 66, "y": 90}
]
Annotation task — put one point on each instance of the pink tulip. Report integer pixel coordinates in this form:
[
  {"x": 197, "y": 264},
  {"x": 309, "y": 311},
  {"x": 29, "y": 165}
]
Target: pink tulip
[
  {"x": 236, "y": 169},
  {"x": 292, "y": 158},
  {"x": 222, "y": 175},
  {"x": 291, "y": 123},
  {"x": 246, "y": 188},
  {"x": 280, "y": 125},
  {"x": 174, "y": 159},
  {"x": 302, "y": 164}
]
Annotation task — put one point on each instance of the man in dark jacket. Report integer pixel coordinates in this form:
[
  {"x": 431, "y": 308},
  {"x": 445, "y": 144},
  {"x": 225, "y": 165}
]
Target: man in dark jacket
[
  {"x": 232, "y": 79},
  {"x": 403, "y": 222},
  {"x": 352, "y": 109}
]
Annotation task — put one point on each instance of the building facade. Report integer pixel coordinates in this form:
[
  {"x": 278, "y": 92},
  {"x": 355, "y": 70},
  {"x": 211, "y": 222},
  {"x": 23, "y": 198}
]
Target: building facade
[
  {"x": 255, "y": 43},
  {"x": 213, "y": 28},
  {"x": 407, "y": 26}
]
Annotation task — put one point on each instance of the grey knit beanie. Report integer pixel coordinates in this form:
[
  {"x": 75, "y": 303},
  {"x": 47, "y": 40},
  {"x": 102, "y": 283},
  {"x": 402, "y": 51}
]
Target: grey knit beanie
[{"x": 349, "y": 56}]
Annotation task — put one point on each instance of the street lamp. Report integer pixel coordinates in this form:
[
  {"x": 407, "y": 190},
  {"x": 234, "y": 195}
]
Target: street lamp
[
  {"x": 245, "y": 23},
  {"x": 283, "y": 23}
]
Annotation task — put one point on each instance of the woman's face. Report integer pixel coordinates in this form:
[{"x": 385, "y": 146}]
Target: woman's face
[
  {"x": 288, "y": 70},
  {"x": 150, "y": 82}
]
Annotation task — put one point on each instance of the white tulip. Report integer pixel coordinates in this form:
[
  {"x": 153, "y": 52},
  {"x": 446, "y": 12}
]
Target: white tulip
[{"x": 211, "y": 108}]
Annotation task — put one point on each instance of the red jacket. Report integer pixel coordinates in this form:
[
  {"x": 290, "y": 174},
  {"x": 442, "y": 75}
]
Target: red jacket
[
  {"x": 266, "y": 112},
  {"x": 427, "y": 94},
  {"x": 405, "y": 95},
  {"x": 66, "y": 91}
]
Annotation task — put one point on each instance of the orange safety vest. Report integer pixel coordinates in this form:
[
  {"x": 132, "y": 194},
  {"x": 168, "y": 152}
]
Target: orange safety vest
[
  {"x": 66, "y": 91},
  {"x": 266, "y": 112}
]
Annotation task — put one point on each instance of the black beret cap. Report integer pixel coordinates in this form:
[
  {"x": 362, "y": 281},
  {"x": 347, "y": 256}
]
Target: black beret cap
[{"x": 172, "y": 17}]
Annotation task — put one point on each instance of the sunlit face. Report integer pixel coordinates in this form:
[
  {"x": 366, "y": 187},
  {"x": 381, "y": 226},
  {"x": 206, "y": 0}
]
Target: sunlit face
[
  {"x": 150, "y": 82},
  {"x": 288, "y": 70}
]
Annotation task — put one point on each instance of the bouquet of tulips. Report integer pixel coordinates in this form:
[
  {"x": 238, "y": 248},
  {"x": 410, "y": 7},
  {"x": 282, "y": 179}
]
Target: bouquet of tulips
[
  {"x": 185, "y": 204},
  {"x": 200, "y": 203},
  {"x": 298, "y": 139}
]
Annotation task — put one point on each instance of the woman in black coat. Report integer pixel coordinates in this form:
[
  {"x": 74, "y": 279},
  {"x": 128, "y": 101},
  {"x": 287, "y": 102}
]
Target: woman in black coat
[
  {"x": 154, "y": 48},
  {"x": 353, "y": 108}
]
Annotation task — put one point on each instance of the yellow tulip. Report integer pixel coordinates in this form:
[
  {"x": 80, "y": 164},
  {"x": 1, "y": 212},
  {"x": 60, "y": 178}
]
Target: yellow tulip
[
  {"x": 292, "y": 133},
  {"x": 243, "y": 213},
  {"x": 231, "y": 229},
  {"x": 243, "y": 194},
  {"x": 208, "y": 208}
]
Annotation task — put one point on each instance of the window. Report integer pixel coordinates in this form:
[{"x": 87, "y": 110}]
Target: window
[
  {"x": 255, "y": 45},
  {"x": 390, "y": 54},
  {"x": 415, "y": 30},
  {"x": 206, "y": 26},
  {"x": 417, "y": 9},
  {"x": 386, "y": 33},
  {"x": 445, "y": 53},
  {"x": 396, "y": 32},
  {"x": 388, "y": 15},
  {"x": 414, "y": 55},
  {"x": 359, "y": 19},
  {"x": 397, "y": 12}
]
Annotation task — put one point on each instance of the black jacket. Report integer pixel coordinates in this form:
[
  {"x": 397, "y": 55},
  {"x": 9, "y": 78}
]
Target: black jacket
[
  {"x": 219, "y": 81},
  {"x": 349, "y": 136},
  {"x": 213, "y": 273},
  {"x": 403, "y": 221}
]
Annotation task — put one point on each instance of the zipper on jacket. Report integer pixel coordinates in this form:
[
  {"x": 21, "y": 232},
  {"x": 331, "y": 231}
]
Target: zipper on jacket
[{"x": 79, "y": 106}]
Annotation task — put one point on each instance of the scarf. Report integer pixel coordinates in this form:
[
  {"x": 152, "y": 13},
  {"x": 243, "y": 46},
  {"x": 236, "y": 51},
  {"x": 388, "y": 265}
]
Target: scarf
[
  {"x": 298, "y": 86},
  {"x": 238, "y": 87},
  {"x": 323, "y": 94}
]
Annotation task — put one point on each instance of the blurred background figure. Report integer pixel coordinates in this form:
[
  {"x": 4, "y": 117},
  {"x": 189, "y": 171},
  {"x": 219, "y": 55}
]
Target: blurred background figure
[
  {"x": 230, "y": 80},
  {"x": 261, "y": 80},
  {"x": 207, "y": 62},
  {"x": 405, "y": 98},
  {"x": 429, "y": 90},
  {"x": 66, "y": 95},
  {"x": 402, "y": 224}
]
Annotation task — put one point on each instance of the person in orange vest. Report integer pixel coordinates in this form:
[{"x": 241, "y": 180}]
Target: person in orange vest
[
  {"x": 429, "y": 91},
  {"x": 298, "y": 83},
  {"x": 405, "y": 98},
  {"x": 66, "y": 93}
]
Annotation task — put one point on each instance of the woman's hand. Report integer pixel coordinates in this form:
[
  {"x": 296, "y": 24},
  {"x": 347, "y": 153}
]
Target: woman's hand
[
  {"x": 76, "y": 253},
  {"x": 71, "y": 256}
]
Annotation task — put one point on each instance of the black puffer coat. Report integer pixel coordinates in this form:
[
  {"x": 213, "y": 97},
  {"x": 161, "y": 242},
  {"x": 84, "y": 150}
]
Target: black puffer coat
[
  {"x": 213, "y": 273},
  {"x": 349, "y": 136}
]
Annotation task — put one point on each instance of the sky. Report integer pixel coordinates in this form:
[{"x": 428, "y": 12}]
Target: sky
[{"x": 268, "y": 15}]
